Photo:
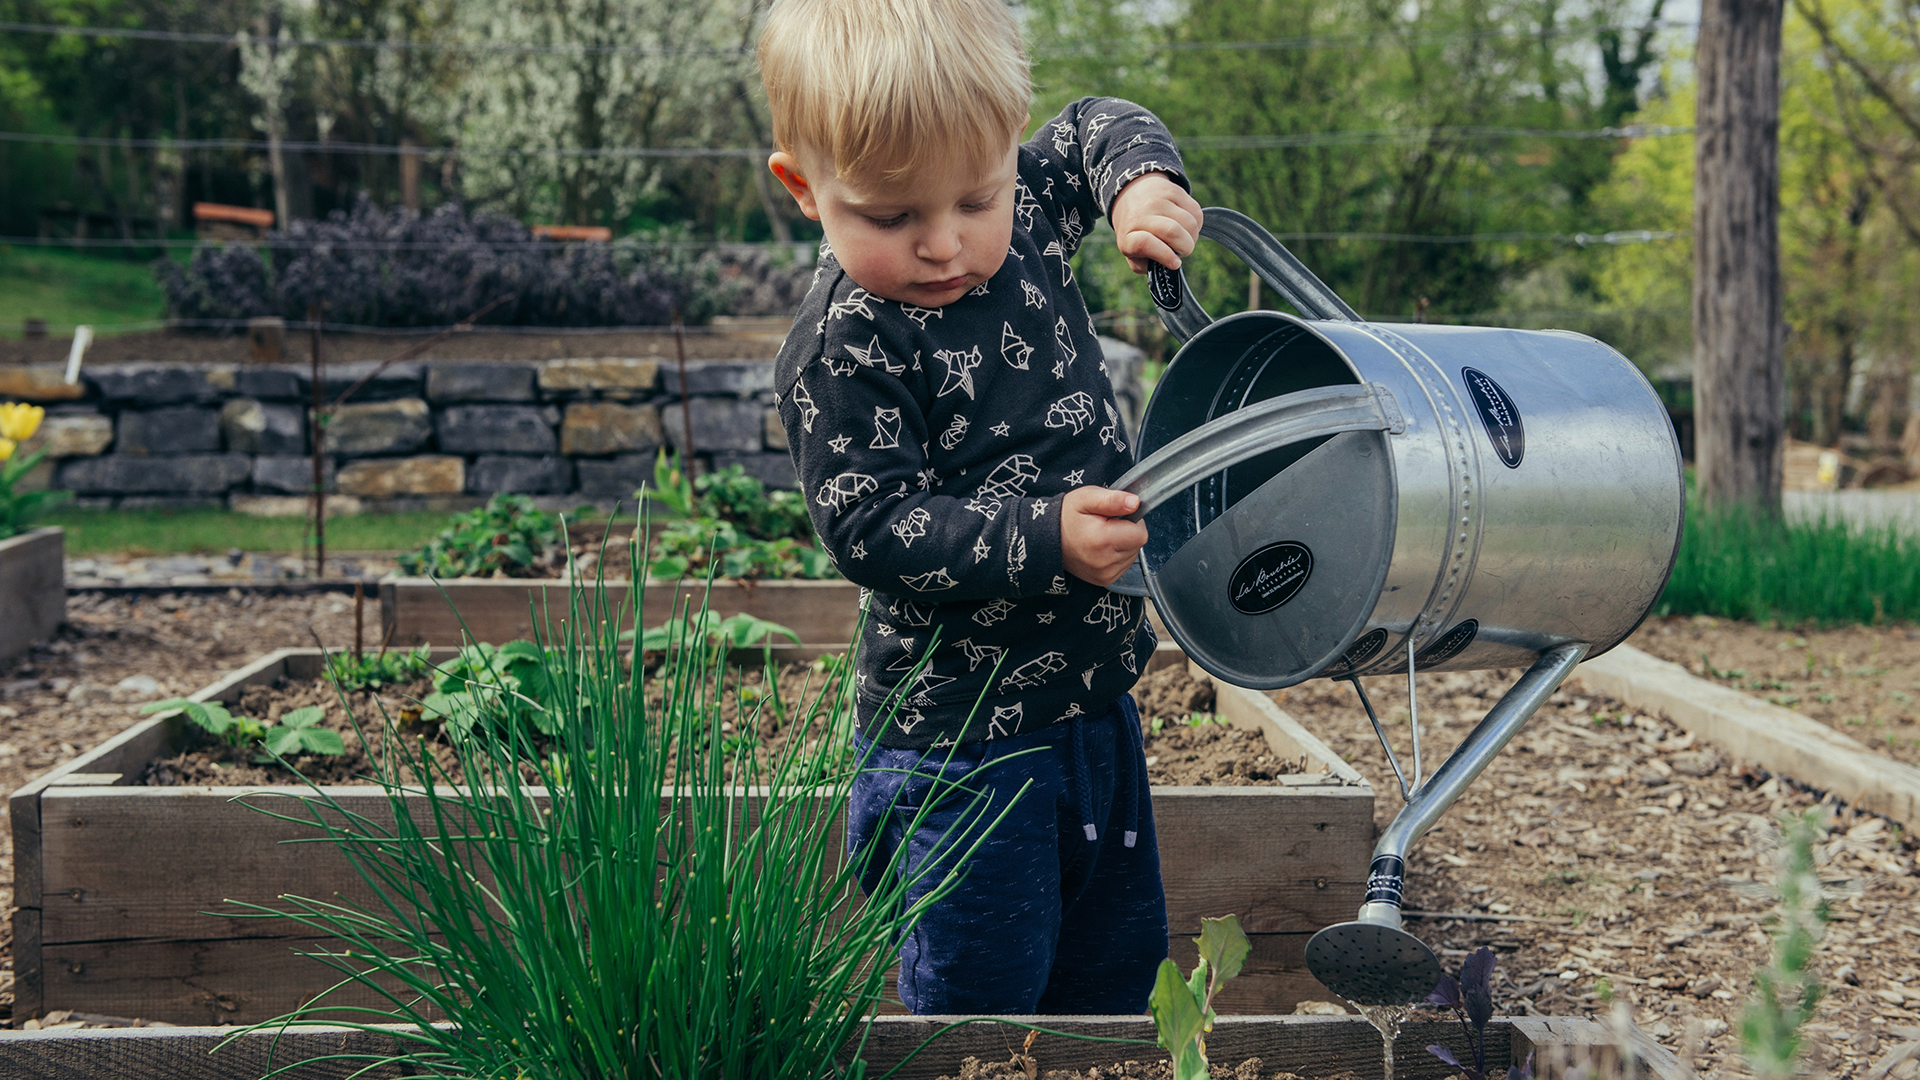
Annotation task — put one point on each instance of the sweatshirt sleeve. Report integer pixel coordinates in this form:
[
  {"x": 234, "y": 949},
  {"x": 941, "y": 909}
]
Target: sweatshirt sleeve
[
  {"x": 1086, "y": 154},
  {"x": 856, "y": 416}
]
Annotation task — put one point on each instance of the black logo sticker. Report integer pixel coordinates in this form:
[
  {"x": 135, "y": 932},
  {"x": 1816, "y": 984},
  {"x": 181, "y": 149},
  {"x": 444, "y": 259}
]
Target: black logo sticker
[
  {"x": 1269, "y": 577},
  {"x": 1451, "y": 644},
  {"x": 1362, "y": 652},
  {"x": 1500, "y": 416}
]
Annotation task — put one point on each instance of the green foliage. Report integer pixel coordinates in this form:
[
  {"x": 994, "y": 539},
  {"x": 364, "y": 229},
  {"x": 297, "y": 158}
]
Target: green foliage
[
  {"x": 1739, "y": 564},
  {"x": 729, "y": 524},
  {"x": 20, "y": 509},
  {"x": 499, "y": 684},
  {"x": 735, "y": 631},
  {"x": 1183, "y": 1007},
  {"x": 507, "y": 537},
  {"x": 297, "y": 732},
  {"x": 1786, "y": 990},
  {"x": 68, "y": 288},
  {"x": 589, "y": 931},
  {"x": 376, "y": 670},
  {"x": 161, "y": 532}
]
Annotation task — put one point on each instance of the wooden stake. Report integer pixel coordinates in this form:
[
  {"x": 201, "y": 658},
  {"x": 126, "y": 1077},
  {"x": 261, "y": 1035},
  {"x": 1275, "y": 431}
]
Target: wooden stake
[
  {"x": 686, "y": 399},
  {"x": 359, "y": 620},
  {"x": 319, "y": 425}
]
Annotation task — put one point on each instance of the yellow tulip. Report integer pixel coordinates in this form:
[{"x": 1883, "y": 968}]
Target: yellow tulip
[
  {"x": 6, "y": 448},
  {"x": 19, "y": 421}
]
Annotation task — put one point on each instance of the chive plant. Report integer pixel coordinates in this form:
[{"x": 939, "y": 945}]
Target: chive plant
[
  {"x": 1739, "y": 564},
  {"x": 641, "y": 915}
]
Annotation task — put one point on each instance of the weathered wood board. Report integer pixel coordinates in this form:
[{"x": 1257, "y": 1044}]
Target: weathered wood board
[
  {"x": 419, "y": 611},
  {"x": 118, "y": 883},
  {"x": 33, "y": 589},
  {"x": 1308, "y": 1045}
]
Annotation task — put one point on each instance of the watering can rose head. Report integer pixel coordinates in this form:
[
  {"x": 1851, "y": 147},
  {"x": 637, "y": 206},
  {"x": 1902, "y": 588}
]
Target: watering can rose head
[{"x": 18, "y": 422}]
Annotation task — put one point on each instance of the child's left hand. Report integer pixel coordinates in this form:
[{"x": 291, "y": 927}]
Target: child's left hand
[{"x": 1155, "y": 221}]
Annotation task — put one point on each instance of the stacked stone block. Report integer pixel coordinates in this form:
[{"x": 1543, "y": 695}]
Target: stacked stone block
[
  {"x": 427, "y": 436},
  {"x": 413, "y": 436}
]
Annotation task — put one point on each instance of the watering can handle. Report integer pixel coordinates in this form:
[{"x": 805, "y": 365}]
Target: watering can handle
[
  {"x": 1256, "y": 429},
  {"x": 1268, "y": 257}
]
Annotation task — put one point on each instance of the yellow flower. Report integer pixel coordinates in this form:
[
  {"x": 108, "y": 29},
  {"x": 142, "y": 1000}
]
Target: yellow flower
[
  {"x": 19, "y": 421},
  {"x": 6, "y": 448}
]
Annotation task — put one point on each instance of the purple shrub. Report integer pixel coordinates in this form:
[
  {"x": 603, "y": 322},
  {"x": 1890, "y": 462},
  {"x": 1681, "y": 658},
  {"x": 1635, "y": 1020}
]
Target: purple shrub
[{"x": 397, "y": 268}]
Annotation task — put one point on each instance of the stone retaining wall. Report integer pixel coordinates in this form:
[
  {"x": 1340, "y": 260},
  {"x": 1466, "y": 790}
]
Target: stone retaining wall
[{"x": 434, "y": 436}]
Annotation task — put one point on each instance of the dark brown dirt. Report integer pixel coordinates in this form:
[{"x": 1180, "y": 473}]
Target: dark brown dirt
[
  {"x": 1861, "y": 680},
  {"x": 481, "y": 345}
]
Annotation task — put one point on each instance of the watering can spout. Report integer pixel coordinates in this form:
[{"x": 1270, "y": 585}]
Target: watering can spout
[{"x": 1371, "y": 960}]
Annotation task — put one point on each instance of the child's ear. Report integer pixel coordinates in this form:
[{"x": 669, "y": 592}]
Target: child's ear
[{"x": 786, "y": 168}]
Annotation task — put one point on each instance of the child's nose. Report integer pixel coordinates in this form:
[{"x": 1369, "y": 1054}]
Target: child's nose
[{"x": 941, "y": 244}]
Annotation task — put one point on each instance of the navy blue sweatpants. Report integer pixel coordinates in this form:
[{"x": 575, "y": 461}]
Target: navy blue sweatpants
[{"x": 1060, "y": 910}]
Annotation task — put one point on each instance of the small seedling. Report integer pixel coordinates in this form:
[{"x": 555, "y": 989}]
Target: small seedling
[
  {"x": 296, "y": 733},
  {"x": 299, "y": 733},
  {"x": 377, "y": 670},
  {"x": 1471, "y": 998},
  {"x": 1786, "y": 990},
  {"x": 1183, "y": 1008}
]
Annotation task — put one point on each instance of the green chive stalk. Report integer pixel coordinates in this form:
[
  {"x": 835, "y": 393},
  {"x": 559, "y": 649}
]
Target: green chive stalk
[{"x": 662, "y": 907}]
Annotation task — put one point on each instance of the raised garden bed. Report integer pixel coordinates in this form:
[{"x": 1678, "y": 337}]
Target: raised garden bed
[
  {"x": 421, "y": 611},
  {"x": 1306, "y": 1046},
  {"x": 33, "y": 589},
  {"x": 114, "y": 881}
]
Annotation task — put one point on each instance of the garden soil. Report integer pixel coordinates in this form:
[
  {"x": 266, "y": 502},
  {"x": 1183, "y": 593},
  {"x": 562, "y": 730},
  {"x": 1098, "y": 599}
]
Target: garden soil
[
  {"x": 1603, "y": 853},
  {"x": 1857, "y": 679}
]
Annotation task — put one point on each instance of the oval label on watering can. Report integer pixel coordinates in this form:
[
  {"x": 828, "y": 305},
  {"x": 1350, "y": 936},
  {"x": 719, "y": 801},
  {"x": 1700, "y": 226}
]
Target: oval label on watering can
[
  {"x": 1269, "y": 577},
  {"x": 1361, "y": 654},
  {"x": 1498, "y": 413},
  {"x": 1451, "y": 644}
]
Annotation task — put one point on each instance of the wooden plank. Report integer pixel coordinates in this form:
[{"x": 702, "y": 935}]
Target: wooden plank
[
  {"x": 1274, "y": 980},
  {"x": 33, "y": 589},
  {"x": 419, "y": 612},
  {"x": 1777, "y": 739},
  {"x": 143, "y": 864},
  {"x": 1564, "y": 1048},
  {"x": 1309, "y": 1045},
  {"x": 241, "y": 980}
]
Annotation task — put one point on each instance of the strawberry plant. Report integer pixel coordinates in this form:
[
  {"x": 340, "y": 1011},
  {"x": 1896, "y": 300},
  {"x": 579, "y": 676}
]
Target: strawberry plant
[
  {"x": 508, "y": 537},
  {"x": 729, "y": 524},
  {"x": 297, "y": 733},
  {"x": 377, "y": 670},
  {"x": 1183, "y": 1007}
]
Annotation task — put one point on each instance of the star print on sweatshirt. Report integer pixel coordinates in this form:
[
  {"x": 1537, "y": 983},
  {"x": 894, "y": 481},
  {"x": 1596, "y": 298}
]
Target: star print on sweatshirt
[{"x": 934, "y": 446}]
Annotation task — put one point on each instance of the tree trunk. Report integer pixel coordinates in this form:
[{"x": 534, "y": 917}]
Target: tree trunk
[{"x": 1738, "y": 333}]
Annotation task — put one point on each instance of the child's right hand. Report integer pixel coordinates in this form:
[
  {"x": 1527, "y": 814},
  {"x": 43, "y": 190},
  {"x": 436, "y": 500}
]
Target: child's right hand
[{"x": 1097, "y": 542}]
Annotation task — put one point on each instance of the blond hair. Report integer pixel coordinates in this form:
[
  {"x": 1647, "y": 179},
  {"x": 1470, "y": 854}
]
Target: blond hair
[{"x": 888, "y": 88}]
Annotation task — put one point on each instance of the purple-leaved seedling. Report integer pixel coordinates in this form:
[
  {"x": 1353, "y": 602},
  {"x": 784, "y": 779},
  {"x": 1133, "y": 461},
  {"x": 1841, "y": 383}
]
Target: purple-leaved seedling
[
  {"x": 1183, "y": 1007},
  {"x": 1471, "y": 998}
]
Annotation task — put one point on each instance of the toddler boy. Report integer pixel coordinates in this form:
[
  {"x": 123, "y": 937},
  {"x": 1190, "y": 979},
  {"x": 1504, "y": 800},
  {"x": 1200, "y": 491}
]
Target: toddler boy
[{"x": 950, "y": 420}]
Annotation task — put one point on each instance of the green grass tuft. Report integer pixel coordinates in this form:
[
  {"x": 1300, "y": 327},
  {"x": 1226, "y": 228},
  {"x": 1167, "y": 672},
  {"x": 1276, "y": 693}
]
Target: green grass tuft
[
  {"x": 68, "y": 288},
  {"x": 206, "y": 532},
  {"x": 1737, "y": 564}
]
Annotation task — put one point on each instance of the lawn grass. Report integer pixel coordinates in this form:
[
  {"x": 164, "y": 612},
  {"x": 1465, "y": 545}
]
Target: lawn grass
[
  {"x": 1736, "y": 564},
  {"x": 68, "y": 288},
  {"x": 200, "y": 532}
]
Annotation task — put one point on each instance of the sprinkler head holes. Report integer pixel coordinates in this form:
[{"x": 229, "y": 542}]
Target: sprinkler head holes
[{"x": 1370, "y": 964}]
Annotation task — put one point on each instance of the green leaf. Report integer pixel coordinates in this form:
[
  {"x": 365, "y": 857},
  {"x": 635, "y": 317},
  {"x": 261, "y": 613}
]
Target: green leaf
[
  {"x": 284, "y": 741},
  {"x": 300, "y": 718},
  {"x": 1178, "y": 1021},
  {"x": 1224, "y": 947},
  {"x": 321, "y": 741}
]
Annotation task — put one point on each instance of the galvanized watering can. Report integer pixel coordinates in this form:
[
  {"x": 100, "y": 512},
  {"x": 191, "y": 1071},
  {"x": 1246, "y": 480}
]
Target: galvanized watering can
[{"x": 1328, "y": 497}]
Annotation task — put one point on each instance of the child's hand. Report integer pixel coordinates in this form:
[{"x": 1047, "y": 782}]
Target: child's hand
[
  {"x": 1097, "y": 542},
  {"x": 1156, "y": 221}
]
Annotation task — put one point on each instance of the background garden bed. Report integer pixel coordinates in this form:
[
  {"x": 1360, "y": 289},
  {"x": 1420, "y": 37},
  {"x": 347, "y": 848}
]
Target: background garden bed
[
  {"x": 113, "y": 881},
  {"x": 33, "y": 589}
]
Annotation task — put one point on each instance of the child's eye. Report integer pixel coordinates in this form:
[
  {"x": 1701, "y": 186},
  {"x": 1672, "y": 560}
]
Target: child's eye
[
  {"x": 979, "y": 207},
  {"x": 889, "y": 222}
]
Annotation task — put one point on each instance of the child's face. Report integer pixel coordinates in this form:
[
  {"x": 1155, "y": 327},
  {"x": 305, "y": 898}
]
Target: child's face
[{"x": 922, "y": 241}]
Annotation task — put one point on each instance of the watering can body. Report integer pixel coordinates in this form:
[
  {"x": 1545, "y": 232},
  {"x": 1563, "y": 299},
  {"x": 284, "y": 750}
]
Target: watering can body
[
  {"x": 1514, "y": 490},
  {"x": 1326, "y": 496}
]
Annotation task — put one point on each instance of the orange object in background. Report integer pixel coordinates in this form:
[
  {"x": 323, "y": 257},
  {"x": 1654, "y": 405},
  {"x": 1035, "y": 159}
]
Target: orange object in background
[
  {"x": 573, "y": 232},
  {"x": 217, "y": 221}
]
